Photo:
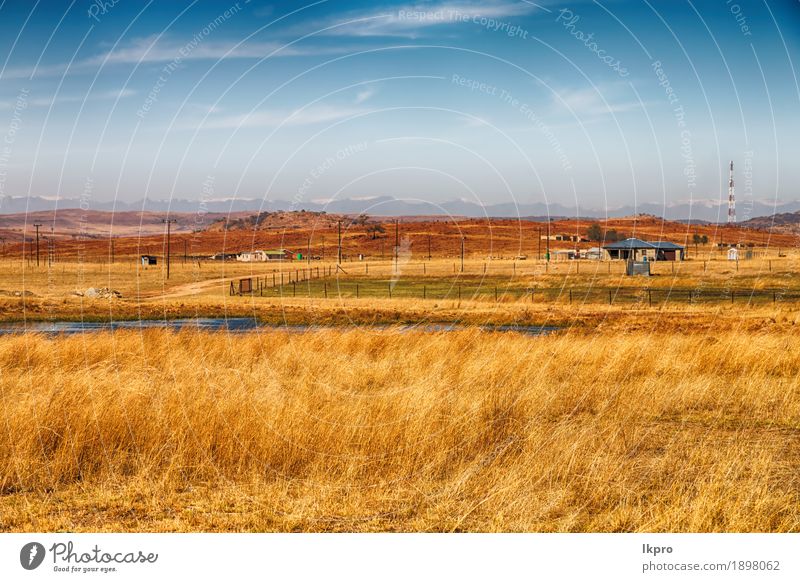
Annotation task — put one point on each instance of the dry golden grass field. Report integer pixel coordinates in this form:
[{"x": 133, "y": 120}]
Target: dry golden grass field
[
  {"x": 668, "y": 403},
  {"x": 401, "y": 431}
]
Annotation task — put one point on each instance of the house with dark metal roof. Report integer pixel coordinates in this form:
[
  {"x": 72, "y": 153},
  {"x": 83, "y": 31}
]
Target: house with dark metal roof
[{"x": 636, "y": 249}]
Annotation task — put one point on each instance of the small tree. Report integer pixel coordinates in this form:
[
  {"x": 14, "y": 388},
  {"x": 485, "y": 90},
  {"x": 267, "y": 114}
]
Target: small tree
[
  {"x": 697, "y": 239},
  {"x": 375, "y": 230},
  {"x": 361, "y": 219},
  {"x": 612, "y": 236},
  {"x": 704, "y": 239},
  {"x": 594, "y": 232}
]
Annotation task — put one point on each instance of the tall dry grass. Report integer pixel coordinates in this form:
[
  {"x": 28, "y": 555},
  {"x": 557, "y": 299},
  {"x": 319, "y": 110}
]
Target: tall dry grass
[{"x": 366, "y": 431}]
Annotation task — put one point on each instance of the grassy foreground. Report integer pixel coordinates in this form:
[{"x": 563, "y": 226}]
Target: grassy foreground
[{"x": 382, "y": 431}]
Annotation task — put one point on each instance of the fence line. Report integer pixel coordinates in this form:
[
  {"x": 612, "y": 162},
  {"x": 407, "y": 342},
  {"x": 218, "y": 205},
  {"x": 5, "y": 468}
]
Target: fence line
[{"x": 376, "y": 289}]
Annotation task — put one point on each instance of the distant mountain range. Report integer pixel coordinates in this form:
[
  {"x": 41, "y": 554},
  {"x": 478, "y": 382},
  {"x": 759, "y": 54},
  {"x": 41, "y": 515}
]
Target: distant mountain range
[{"x": 696, "y": 211}]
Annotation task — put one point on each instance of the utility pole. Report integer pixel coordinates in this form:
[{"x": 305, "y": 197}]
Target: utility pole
[
  {"x": 539, "y": 254},
  {"x": 463, "y": 238},
  {"x": 185, "y": 255},
  {"x": 323, "y": 247},
  {"x": 396, "y": 243},
  {"x": 169, "y": 222},
  {"x": 37, "y": 225},
  {"x": 429, "y": 246},
  {"x": 339, "y": 252},
  {"x": 308, "y": 250},
  {"x": 547, "y": 255}
]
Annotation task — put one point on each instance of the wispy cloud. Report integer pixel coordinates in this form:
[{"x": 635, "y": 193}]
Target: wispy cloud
[
  {"x": 365, "y": 95},
  {"x": 410, "y": 21},
  {"x": 475, "y": 121},
  {"x": 105, "y": 95},
  {"x": 594, "y": 101},
  {"x": 308, "y": 116},
  {"x": 153, "y": 49}
]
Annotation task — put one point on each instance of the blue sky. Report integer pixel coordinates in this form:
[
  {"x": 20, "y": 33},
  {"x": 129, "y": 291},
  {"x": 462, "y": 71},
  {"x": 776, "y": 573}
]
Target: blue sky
[{"x": 595, "y": 104}]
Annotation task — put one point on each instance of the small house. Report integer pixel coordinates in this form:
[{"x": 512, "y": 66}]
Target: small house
[
  {"x": 149, "y": 260},
  {"x": 566, "y": 255},
  {"x": 594, "y": 253},
  {"x": 563, "y": 237},
  {"x": 278, "y": 255},
  {"x": 225, "y": 257},
  {"x": 635, "y": 249},
  {"x": 733, "y": 254},
  {"x": 252, "y": 256}
]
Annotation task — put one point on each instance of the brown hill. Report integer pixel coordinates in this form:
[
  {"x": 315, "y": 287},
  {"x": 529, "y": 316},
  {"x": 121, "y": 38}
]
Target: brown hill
[
  {"x": 281, "y": 220},
  {"x": 786, "y": 222},
  {"x": 375, "y": 237},
  {"x": 74, "y": 223}
]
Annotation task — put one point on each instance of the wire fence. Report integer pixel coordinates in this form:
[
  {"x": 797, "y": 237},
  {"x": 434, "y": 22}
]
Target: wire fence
[{"x": 330, "y": 287}]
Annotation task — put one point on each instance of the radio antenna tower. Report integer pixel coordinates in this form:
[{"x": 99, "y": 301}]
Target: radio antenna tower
[{"x": 731, "y": 199}]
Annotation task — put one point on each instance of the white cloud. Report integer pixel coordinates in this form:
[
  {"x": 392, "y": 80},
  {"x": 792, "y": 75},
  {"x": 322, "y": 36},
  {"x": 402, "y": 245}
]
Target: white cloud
[
  {"x": 475, "y": 121},
  {"x": 153, "y": 49},
  {"x": 594, "y": 101},
  {"x": 366, "y": 94},
  {"x": 48, "y": 101},
  {"x": 410, "y": 20},
  {"x": 307, "y": 116}
]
